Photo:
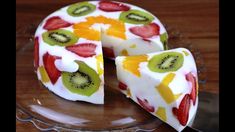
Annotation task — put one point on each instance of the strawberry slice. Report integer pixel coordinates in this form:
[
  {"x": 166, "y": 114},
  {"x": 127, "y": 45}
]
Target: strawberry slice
[
  {"x": 175, "y": 111},
  {"x": 108, "y": 52},
  {"x": 146, "y": 31},
  {"x": 182, "y": 112},
  {"x": 192, "y": 79},
  {"x": 83, "y": 49},
  {"x": 52, "y": 71},
  {"x": 36, "y": 53},
  {"x": 110, "y": 6},
  {"x": 144, "y": 103},
  {"x": 122, "y": 86},
  {"x": 147, "y": 40},
  {"x": 55, "y": 23}
]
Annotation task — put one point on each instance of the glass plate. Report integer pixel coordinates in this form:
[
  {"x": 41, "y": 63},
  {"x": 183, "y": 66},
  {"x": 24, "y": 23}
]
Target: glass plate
[{"x": 47, "y": 111}]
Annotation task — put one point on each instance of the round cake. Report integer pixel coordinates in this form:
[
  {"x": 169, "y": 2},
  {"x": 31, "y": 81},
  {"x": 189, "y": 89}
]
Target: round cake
[{"x": 70, "y": 41}]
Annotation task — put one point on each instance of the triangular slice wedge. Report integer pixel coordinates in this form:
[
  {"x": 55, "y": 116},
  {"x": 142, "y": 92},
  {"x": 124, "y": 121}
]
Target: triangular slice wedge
[{"x": 164, "y": 83}]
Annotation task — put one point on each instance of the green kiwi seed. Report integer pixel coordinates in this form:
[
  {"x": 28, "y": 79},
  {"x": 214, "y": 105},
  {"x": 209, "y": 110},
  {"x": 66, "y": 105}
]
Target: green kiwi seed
[
  {"x": 81, "y": 9},
  {"x": 59, "y": 37},
  {"x": 166, "y": 62},
  {"x": 136, "y": 17},
  {"x": 164, "y": 40},
  {"x": 85, "y": 81}
]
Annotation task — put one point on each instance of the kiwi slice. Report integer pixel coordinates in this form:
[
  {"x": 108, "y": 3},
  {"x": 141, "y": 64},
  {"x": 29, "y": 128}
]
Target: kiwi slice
[
  {"x": 85, "y": 81},
  {"x": 166, "y": 62},
  {"x": 136, "y": 17},
  {"x": 59, "y": 37},
  {"x": 164, "y": 40},
  {"x": 80, "y": 9}
]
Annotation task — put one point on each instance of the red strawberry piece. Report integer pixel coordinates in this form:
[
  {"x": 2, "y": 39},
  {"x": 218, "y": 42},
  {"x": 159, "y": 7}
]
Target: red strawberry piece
[
  {"x": 110, "y": 6},
  {"x": 36, "y": 53},
  {"x": 55, "y": 23},
  {"x": 192, "y": 79},
  {"x": 182, "y": 112},
  {"x": 83, "y": 49},
  {"x": 108, "y": 52},
  {"x": 122, "y": 86},
  {"x": 146, "y": 31},
  {"x": 52, "y": 71},
  {"x": 147, "y": 40},
  {"x": 144, "y": 103},
  {"x": 175, "y": 111}
]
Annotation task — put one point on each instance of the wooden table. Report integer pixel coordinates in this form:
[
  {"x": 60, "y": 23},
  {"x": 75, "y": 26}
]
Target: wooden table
[{"x": 198, "y": 20}]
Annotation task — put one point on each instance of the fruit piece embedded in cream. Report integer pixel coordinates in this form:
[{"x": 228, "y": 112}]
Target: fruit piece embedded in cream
[
  {"x": 69, "y": 42},
  {"x": 163, "y": 83}
]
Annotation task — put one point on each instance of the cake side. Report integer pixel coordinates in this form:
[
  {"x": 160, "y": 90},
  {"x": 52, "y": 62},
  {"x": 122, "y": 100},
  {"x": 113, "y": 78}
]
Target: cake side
[{"x": 73, "y": 65}]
